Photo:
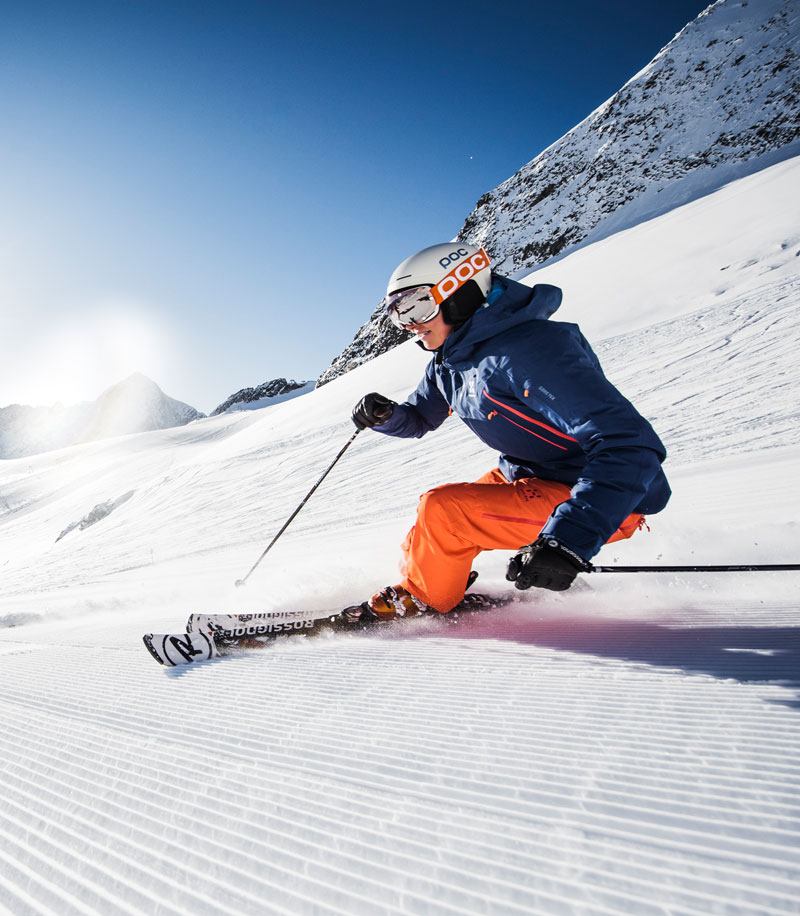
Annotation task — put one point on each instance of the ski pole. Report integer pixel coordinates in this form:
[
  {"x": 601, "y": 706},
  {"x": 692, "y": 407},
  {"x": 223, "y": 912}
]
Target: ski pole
[
  {"x": 240, "y": 582},
  {"x": 756, "y": 567}
]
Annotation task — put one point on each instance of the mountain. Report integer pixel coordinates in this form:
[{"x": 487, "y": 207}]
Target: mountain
[
  {"x": 134, "y": 405},
  {"x": 272, "y": 392},
  {"x": 725, "y": 91},
  {"x": 718, "y": 102}
]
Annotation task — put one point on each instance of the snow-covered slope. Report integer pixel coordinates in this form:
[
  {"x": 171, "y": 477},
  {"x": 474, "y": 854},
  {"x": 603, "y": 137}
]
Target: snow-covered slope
[
  {"x": 134, "y": 405},
  {"x": 626, "y": 748},
  {"x": 720, "y": 101}
]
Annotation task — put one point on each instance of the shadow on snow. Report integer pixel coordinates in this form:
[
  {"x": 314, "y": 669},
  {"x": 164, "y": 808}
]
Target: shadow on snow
[{"x": 742, "y": 653}]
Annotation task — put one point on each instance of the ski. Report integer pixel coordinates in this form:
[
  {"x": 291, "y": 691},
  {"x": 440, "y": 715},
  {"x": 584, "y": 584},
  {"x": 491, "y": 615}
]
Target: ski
[
  {"x": 210, "y": 636},
  {"x": 270, "y": 623}
]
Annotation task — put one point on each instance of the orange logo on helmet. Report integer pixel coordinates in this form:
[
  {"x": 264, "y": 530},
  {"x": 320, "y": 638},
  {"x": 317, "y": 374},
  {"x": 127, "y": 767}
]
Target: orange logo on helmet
[{"x": 459, "y": 275}]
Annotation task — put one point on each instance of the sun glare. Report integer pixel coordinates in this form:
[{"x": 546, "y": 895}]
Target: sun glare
[{"x": 79, "y": 358}]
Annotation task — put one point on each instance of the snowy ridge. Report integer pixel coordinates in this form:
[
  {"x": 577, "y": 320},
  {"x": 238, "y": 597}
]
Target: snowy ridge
[{"x": 627, "y": 748}]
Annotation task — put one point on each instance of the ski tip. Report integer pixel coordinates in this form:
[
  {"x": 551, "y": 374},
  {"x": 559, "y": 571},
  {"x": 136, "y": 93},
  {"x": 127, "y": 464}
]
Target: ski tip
[
  {"x": 147, "y": 639},
  {"x": 174, "y": 649}
]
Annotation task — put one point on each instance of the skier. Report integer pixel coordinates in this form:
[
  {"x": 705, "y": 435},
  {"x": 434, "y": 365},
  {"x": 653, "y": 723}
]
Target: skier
[{"x": 579, "y": 466}]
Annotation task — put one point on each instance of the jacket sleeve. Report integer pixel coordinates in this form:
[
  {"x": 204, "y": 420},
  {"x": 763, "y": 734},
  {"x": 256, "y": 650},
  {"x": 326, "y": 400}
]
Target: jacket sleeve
[
  {"x": 623, "y": 452},
  {"x": 425, "y": 410}
]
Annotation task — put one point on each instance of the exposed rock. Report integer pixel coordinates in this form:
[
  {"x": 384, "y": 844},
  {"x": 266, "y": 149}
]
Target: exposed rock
[
  {"x": 100, "y": 511},
  {"x": 272, "y": 392}
]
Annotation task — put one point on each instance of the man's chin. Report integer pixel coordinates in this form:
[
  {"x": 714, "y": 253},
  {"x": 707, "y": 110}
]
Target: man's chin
[{"x": 423, "y": 343}]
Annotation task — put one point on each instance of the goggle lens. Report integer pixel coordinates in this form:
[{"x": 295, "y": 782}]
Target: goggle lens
[{"x": 412, "y": 306}]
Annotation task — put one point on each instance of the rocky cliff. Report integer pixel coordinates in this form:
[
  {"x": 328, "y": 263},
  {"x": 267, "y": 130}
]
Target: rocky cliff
[{"x": 272, "y": 392}]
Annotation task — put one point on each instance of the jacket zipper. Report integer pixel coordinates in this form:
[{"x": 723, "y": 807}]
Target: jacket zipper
[{"x": 550, "y": 429}]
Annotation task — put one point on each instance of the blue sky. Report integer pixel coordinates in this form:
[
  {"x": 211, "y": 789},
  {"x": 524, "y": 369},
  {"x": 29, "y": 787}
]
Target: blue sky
[{"x": 214, "y": 194}]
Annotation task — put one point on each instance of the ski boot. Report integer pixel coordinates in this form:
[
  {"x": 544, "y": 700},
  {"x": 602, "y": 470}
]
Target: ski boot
[
  {"x": 394, "y": 601},
  {"x": 388, "y": 604}
]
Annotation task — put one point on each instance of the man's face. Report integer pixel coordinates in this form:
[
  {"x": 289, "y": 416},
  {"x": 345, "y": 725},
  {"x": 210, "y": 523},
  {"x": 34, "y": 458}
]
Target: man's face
[{"x": 431, "y": 334}]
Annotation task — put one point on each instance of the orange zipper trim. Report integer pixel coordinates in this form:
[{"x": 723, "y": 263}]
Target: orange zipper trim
[
  {"x": 530, "y": 432},
  {"x": 550, "y": 429}
]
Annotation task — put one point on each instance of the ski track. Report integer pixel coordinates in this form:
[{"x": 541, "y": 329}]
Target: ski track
[
  {"x": 752, "y": 335},
  {"x": 359, "y": 781}
]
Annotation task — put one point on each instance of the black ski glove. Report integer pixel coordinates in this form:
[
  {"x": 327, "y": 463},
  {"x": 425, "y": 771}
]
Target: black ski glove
[
  {"x": 546, "y": 563},
  {"x": 372, "y": 410}
]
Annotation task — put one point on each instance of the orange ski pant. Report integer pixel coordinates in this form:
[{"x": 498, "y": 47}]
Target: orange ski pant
[{"x": 457, "y": 521}]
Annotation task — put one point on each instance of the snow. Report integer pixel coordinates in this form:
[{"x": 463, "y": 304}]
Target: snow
[{"x": 629, "y": 747}]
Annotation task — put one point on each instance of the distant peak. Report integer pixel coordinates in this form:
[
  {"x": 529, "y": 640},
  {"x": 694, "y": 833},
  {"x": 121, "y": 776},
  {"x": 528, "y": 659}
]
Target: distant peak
[{"x": 136, "y": 379}]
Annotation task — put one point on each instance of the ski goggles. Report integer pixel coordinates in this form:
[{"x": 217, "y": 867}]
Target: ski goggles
[{"x": 412, "y": 306}]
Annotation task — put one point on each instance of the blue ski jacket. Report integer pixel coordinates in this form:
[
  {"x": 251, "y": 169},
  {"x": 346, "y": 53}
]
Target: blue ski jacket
[{"x": 534, "y": 390}]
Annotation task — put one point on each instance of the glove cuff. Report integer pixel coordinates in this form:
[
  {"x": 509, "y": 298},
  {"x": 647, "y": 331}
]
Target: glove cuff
[
  {"x": 566, "y": 552},
  {"x": 383, "y": 412}
]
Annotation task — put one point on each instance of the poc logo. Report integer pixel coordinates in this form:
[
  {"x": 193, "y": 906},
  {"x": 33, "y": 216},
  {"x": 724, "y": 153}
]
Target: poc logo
[
  {"x": 453, "y": 256},
  {"x": 459, "y": 275}
]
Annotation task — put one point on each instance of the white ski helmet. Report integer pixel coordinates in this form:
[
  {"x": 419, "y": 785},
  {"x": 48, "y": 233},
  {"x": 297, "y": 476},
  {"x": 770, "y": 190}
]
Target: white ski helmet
[{"x": 453, "y": 276}]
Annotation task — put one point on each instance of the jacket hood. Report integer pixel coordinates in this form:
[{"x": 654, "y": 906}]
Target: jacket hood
[{"x": 508, "y": 304}]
